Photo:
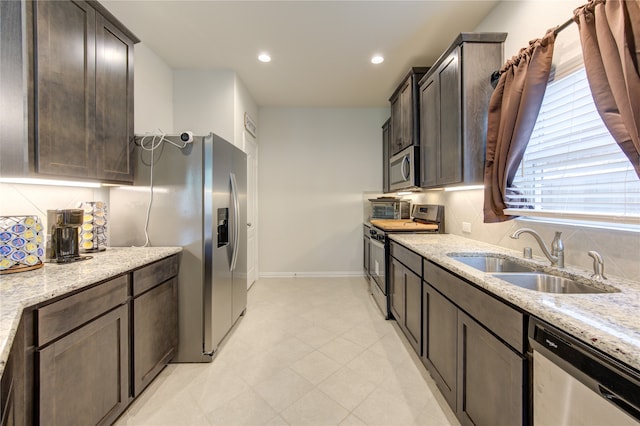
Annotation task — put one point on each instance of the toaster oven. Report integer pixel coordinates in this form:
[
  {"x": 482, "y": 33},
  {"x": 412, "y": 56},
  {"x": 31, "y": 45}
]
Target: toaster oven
[{"x": 390, "y": 208}]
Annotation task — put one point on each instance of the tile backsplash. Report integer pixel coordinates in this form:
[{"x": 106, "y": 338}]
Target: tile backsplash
[
  {"x": 19, "y": 199},
  {"x": 620, "y": 249}
]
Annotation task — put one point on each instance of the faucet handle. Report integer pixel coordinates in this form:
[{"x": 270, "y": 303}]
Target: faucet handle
[{"x": 598, "y": 265}]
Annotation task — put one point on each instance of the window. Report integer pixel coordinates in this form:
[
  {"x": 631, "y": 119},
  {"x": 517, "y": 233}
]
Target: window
[{"x": 572, "y": 166}]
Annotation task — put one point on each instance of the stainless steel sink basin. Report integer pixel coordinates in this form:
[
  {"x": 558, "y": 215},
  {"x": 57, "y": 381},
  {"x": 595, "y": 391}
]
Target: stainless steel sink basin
[
  {"x": 549, "y": 283},
  {"x": 492, "y": 263}
]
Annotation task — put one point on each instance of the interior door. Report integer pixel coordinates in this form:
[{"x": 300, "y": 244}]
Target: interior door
[{"x": 251, "y": 149}]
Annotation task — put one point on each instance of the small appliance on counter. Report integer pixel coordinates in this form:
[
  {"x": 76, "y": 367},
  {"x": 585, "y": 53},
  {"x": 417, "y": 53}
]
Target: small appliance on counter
[
  {"x": 390, "y": 208},
  {"x": 63, "y": 236},
  {"x": 21, "y": 244}
]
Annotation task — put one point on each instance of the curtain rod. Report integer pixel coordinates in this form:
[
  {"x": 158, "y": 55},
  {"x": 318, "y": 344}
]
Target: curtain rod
[
  {"x": 495, "y": 76},
  {"x": 563, "y": 26}
]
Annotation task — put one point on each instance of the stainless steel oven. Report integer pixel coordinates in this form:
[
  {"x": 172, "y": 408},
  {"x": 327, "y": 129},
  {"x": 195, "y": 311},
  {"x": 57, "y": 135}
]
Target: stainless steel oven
[
  {"x": 377, "y": 269},
  {"x": 425, "y": 217}
]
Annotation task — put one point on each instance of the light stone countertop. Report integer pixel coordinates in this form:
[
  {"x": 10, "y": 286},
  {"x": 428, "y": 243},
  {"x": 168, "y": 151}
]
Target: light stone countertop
[
  {"x": 609, "y": 322},
  {"x": 24, "y": 289}
]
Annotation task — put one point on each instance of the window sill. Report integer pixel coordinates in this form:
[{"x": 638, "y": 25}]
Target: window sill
[{"x": 624, "y": 223}]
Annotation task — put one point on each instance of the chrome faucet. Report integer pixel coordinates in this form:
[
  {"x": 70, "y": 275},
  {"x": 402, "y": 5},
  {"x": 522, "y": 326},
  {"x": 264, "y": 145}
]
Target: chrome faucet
[
  {"x": 598, "y": 265},
  {"x": 556, "y": 255}
]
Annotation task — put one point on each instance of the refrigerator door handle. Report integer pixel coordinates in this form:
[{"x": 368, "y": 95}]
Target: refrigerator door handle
[{"x": 236, "y": 220}]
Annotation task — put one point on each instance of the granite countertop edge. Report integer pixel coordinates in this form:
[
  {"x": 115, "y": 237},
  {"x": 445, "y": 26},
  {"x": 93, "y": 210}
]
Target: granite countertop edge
[
  {"x": 605, "y": 321},
  {"x": 22, "y": 290}
]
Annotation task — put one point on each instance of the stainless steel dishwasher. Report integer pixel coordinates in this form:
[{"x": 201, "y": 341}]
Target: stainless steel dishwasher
[{"x": 574, "y": 384}]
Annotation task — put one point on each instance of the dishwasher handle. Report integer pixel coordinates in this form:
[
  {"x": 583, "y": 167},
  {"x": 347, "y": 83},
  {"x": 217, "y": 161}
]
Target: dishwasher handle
[{"x": 621, "y": 403}]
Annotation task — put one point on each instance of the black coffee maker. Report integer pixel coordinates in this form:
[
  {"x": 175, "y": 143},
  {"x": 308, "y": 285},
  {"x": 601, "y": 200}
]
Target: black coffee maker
[{"x": 62, "y": 235}]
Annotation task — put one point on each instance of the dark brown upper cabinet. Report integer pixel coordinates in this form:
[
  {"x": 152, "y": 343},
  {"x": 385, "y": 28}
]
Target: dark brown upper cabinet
[
  {"x": 386, "y": 141},
  {"x": 454, "y": 100},
  {"x": 78, "y": 88},
  {"x": 405, "y": 112}
]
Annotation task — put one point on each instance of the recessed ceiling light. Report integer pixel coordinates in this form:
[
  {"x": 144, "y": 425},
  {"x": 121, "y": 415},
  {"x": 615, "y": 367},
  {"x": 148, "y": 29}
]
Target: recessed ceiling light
[
  {"x": 264, "y": 57},
  {"x": 377, "y": 59}
]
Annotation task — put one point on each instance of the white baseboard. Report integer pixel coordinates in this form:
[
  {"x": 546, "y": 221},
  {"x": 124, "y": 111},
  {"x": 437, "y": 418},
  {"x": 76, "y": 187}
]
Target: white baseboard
[{"x": 323, "y": 274}]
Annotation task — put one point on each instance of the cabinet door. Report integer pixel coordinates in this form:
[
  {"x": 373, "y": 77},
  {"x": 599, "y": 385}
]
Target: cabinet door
[
  {"x": 429, "y": 132},
  {"x": 7, "y": 393},
  {"x": 490, "y": 384},
  {"x": 396, "y": 126},
  {"x": 114, "y": 102},
  {"x": 396, "y": 290},
  {"x": 155, "y": 332},
  {"x": 406, "y": 115},
  {"x": 84, "y": 376},
  {"x": 65, "y": 88},
  {"x": 413, "y": 310},
  {"x": 440, "y": 341},
  {"x": 386, "y": 155},
  {"x": 450, "y": 140}
]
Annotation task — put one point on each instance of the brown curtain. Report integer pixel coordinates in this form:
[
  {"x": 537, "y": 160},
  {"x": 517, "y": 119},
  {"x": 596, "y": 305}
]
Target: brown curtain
[
  {"x": 513, "y": 110},
  {"x": 610, "y": 38}
]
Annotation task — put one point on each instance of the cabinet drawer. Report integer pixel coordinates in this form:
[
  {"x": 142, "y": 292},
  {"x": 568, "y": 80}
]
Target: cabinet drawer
[
  {"x": 408, "y": 258},
  {"x": 497, "y": 316},
  {"x": 60, "y": 317},
  {"x": 154, "y": 274}
]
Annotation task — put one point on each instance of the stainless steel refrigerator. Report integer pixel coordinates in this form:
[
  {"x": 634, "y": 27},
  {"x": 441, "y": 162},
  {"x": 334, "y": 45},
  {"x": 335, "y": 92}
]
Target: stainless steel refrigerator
[{"x": 199, "y": 203}]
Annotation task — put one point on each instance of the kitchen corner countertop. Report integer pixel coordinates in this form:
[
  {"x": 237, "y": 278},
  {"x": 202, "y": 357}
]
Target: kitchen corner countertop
[
  {"x": 24, "y": 289},
  {"x": 608, "y": 322}
]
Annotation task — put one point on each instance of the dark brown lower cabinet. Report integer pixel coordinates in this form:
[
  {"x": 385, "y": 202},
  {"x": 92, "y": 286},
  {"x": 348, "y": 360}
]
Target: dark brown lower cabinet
[
  {"x": 396, "y": 290},
  {"x": 474, "y": 348},
  {"x": 8, "y": 392},
  {"x": 406, "y": 302},
  {"x": 155, "y": 332},
  {"x": 490, "y": 378},
  {"x": 84, "y": 376},
  {"x": 440, "y": 341}
]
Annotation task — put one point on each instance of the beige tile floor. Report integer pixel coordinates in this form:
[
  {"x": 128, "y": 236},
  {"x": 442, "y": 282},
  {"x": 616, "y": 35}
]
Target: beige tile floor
[{"x": 309, "y": 351}]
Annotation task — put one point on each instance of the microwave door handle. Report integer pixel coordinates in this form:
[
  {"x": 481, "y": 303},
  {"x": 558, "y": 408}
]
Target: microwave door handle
[{"x": 405, "y": 166}]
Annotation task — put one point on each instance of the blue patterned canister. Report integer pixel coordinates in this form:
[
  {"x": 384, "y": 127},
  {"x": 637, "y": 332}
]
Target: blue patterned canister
[{"x": 21, "y": 243}]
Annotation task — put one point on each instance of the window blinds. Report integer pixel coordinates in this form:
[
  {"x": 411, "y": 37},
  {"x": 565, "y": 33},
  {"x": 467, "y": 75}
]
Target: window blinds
[{"x": 572, "y": 166}]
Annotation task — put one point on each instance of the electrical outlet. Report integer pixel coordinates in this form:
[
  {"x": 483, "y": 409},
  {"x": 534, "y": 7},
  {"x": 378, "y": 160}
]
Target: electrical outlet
[{"x": 466, "y": 227}]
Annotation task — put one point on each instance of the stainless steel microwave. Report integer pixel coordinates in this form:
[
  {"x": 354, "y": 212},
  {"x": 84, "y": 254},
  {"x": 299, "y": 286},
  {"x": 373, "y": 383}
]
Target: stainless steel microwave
[{"x": 403, "y": 170}]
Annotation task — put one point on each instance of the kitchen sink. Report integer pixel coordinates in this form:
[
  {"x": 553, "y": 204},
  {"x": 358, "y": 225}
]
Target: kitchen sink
[
  {"x": 492, "y": 263},
  {"x": 549, "y": 283}
]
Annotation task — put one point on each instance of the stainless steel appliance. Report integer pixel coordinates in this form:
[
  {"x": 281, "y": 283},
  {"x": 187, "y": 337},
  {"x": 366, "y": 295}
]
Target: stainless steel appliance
[
  {"x": 62, "y": 239},
  {"x": 199, "y": 203},
  {"x": 366, "y": 248},
  {"x": 390, "y": 208},
  {"x": 427, "y": 218},
  {"x": 403, "y": 170},
  {"x": 576, "y": 384}
]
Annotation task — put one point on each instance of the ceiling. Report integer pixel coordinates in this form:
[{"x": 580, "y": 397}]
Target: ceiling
[{"x": 320, "y": 50}]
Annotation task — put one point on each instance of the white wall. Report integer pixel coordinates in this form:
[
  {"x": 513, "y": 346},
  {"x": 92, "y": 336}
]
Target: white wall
[
  {"x": 153, "y": 92},
  {"x": 244, "y": 103},
  {"x": 204, "y": 102},
  {"x": 524, "y": 21},
  {"x": 314, "y": 165}
]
